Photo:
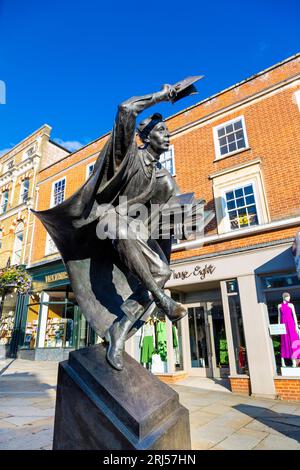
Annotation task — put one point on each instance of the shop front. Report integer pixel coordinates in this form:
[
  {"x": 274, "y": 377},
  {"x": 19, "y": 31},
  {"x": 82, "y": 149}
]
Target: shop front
[
  {"x": 232, "y": 301},
  {"x": 52, "y": 323},
  {"x": 8, "y": 302}
]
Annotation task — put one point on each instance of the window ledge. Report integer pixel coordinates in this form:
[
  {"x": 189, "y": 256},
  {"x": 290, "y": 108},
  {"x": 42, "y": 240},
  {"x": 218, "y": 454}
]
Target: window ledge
[{"x": 236, "y": 152}]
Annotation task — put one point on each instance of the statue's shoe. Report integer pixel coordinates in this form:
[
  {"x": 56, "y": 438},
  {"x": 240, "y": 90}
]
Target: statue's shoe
[
  {"x": 175, "y": 311},
  {"x": 115, "y": 337}
]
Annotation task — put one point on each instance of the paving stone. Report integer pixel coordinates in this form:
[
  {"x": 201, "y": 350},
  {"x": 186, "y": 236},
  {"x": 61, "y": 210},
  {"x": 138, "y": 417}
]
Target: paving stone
[
  {"x": 199, "y": 418},
  {"x": 27, "y": 411},
  {"x": 244, "y": 439},
  {"x": 286, "y": 408},
  {"x": 274, "y": 442},
  {"x": 216, "y": 409},
  {"x": 30, "y": 442},
  {"x": 277, "y": 428}
]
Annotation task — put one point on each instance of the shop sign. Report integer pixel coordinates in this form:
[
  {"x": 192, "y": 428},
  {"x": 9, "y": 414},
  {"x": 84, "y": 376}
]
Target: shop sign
[
  {"x": 277, "y": 329},
  {"x": 56, "y": 277},
  {"x": 197, "y": 271}
]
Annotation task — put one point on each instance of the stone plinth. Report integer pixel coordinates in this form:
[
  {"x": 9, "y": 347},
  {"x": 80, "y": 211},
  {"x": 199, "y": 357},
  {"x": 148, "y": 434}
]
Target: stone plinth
[{"x": 98, "y": 407}]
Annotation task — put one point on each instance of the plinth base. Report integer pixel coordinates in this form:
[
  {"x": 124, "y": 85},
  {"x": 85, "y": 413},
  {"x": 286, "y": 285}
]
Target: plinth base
[{"x": 98, "y": 407}]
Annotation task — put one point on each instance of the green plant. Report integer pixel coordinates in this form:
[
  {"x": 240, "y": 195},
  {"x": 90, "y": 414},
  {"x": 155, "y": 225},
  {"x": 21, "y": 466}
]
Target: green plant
[{"x": 15, "y": 277}]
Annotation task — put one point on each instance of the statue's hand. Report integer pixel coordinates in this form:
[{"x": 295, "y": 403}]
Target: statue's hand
[{"x": 167, "y": 92}]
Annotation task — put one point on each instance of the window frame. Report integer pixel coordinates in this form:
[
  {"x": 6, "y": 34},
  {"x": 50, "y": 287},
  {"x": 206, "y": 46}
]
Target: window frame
[
  {"x": 17, "y": 234},
  {"x": 48, "y": 251},
  {"x": 52, "y": 191},
  {"x": 218, "y": 155},
  {"x": 297, "y": 98},
  {"x": 172, "y": 150},
  {"x": 7, "y": 201},
  {"x": 21, "y": 198},
  {"x": 225, "y": 209},
  {"x": 87, "y": 173}
]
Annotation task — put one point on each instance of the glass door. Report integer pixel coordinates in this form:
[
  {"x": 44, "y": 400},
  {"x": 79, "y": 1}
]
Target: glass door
[
  {"x": 200, "y": 344},
  {"x": 208, "y": 343}
]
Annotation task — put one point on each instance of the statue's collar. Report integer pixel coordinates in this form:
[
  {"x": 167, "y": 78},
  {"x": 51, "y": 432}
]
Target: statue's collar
[{"x": 148, "y": 158}]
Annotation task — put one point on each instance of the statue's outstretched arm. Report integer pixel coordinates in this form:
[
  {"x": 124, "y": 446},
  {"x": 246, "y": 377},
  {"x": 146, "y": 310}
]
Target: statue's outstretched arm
[{"x": 125, "y": 123}]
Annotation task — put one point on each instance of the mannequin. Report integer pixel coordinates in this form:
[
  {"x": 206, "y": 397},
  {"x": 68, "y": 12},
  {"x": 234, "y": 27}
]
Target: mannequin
[{"x": 287, "y": 316}]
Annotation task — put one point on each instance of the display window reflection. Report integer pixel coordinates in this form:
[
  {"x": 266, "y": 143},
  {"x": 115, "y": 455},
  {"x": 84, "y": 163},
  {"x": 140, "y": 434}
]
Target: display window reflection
[{"x": 283, "y": 304}]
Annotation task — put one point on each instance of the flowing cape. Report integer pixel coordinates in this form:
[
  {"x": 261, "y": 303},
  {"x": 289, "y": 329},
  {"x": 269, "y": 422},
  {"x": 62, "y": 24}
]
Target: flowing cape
[{"x": 99, "y": 280}]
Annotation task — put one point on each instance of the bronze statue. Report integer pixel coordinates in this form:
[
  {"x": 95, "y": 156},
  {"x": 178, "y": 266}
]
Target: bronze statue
[{"x": 118, "y": 279}]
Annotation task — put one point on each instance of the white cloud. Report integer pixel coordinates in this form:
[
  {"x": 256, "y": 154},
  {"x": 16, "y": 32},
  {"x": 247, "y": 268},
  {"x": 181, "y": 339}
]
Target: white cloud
[{"x": 71, "y": 145}]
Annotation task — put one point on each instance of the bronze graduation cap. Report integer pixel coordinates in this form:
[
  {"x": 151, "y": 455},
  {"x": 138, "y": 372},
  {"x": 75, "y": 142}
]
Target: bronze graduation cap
[{"x": 186, "y": 87}]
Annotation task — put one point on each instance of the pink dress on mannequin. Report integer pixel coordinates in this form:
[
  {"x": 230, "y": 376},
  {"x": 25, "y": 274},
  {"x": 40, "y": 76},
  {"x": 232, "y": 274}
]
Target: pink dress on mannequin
[{"x": 290, "y": 344}]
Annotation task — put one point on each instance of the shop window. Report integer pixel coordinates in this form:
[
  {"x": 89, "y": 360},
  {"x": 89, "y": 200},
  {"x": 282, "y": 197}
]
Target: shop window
[
  {"x": 150, "y": 344},
  {"x": 57, "y": 315},
  {"x": 24, "y": 193},
  {"x": 4, "y": 201},
  {"x": 7, "y": 317},
  {"x": 167, "y": 159},
  {"x": 237, "y": 328},
  {"x": 285, "y": 280},
  {"x": 241, "y": 207},
  {"x": 89, "y": 169},
  {"x": 58, "y": 192},
  {"x": 284, "y": 321},
  {"x": 32, "y": 322},
  {"x": 18, "y": 244},
  {"x": 230, "y": 137}
]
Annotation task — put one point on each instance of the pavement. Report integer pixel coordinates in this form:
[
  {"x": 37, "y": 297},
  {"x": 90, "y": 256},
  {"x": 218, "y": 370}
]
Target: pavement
[{"x": 219, "y": 419}]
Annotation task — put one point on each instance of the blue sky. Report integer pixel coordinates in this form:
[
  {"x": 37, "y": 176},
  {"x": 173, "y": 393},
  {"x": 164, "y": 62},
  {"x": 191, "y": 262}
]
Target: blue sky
[{"x": 69, "y": 63}]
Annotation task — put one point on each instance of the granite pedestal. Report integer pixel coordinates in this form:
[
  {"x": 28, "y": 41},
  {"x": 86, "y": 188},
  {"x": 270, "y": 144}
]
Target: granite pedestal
[{"x": 98, "y": 407}]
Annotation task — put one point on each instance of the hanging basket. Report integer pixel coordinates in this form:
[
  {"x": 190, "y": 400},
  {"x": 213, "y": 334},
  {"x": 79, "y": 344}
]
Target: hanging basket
[{"x": 15, "y": 277}]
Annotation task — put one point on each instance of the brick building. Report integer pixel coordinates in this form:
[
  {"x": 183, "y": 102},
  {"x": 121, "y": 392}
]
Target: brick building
[
  {"x": 239, "y": 150},
  {"x": 18, "y": 175}
]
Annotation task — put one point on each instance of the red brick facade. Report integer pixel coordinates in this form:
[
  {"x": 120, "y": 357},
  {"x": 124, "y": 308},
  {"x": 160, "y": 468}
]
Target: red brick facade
[
  {"x": 288, "y": 389},
  {"x": 240, "y": 386}
]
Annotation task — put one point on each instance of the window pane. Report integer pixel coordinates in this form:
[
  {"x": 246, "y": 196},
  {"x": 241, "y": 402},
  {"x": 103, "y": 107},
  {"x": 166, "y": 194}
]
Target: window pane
[
  {"x": 223, "y": 141},
  {"x": 240, "y": 202},
  {"x": 250, "y": 200},
  {"x": 231, "y": 138},
  {"x": 238, "y": 193},
  {"x": 232, "y": 215},
  {"x": 238, "y": 125},
  {"x": 229, "y": 195},
  {"x": 221, "y": 132},
  {"x": 239, "y": 135},
  {"x": 231, "y": 205},
  {"x": 252, "y": 209},
  {"x": 241, "y": 144},
  {"x": 242, "y": 213},
  {"x": 224, "y": 150},
  {"x": 248, "y": 189},
  {"x": 234, "y": 224},
  {"x": 232, "y": 147},
  {"x": 229, "y": 129}
]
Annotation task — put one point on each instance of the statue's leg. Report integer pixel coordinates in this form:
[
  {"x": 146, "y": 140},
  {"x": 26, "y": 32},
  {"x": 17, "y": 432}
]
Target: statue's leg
[{"x": 152, "y": 270}]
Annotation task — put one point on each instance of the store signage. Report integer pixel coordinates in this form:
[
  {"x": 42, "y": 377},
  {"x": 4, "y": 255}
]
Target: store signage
[
  {"x": 198, "y": 271},
  {"x": 56, "y": 277},
  {"x": 277, "y": 329}
]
